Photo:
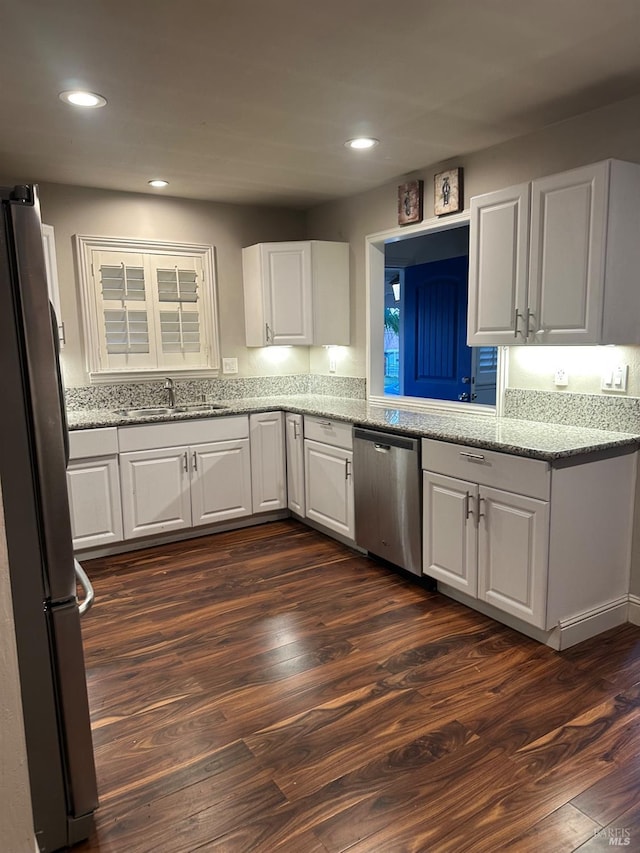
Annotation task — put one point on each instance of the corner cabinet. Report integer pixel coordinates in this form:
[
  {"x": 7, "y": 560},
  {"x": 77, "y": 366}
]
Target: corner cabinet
[
  {"x": 526, "y": 542},
  {"x": 268, "y": 467},
  {"x": 328, "y": 470},
  {"x": 555, "y": 261},
  {"x": 294, "y": 431},
  {"x": 296, "y": 293}
]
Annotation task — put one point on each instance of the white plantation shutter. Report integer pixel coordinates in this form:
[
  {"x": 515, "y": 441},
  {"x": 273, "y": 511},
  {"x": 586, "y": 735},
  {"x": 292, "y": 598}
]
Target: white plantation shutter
[
  {"x": 125, "y": 310},
  {"x": 148, "y": 310},
  {"x": 177, "y": 285}
]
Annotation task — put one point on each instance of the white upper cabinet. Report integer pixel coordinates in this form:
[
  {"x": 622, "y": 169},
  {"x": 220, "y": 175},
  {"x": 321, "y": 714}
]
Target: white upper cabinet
[
  {"x": 296, "y": 293},
  {"x": 555, "y": 262}
]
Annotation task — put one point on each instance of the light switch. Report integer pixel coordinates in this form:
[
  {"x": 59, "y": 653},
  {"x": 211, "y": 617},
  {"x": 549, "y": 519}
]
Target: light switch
[{"x": 616, "y": 379}]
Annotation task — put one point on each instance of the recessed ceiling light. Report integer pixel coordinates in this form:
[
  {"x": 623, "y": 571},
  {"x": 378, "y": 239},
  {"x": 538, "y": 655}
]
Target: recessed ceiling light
[
  {"x": 78, "y": 98},
  {"x": 362, "y": 143},
  {"x": 158, "y": 182}
]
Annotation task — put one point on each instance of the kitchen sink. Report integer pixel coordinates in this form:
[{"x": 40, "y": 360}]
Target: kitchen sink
[
  {"x": 143, "y": 411},
  {"x": 200, "y": 407}
]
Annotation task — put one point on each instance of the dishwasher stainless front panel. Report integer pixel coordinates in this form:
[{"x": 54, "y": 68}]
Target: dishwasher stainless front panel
[{"x": 386, "y": 476}]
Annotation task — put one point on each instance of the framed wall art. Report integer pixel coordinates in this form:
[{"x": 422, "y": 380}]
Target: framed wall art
[
  {"x": 410, "y": 203},
  {"x": 448, "y": 192}
]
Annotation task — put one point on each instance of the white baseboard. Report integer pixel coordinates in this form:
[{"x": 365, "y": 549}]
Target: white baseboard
[
  {"x": 634, "y": 609},
  {"x": 568, "y": 632}
]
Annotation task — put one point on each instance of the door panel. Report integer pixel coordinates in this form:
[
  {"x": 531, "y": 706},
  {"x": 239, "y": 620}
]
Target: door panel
[
  {"x": 513, "y": 545},
  {"x": 449, "y": 531},
  {"x": 295, "y": 464},
  {"x": 268, "y": 484},
  {"x": 94, "y": 501},
  {"x": 155, "y": 491},
  {"x": 436, "y": 356},
  {"x": 329, "y": 487},
  {"x": 221, "y": 481}
]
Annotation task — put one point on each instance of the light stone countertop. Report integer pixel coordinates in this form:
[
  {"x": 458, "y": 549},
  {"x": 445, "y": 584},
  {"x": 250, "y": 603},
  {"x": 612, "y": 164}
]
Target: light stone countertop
[{"x": 549, "y": 442}]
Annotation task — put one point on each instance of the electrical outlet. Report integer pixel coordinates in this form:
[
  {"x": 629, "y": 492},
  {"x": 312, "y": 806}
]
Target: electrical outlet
[
  {"x": 229, "y": 365},
  {"x": 561, "y": 378}
]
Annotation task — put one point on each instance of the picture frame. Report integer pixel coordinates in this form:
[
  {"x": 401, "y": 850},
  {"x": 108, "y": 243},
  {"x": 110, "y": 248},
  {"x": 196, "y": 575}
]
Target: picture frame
[
  {"x": 447, "y": 192},
  {"x": 410, "y": 202}
]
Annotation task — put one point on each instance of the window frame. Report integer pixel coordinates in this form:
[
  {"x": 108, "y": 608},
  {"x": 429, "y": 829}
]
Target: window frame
[
  {"x": 90, "y": 318},
  {"x": 374, "y": 278}
]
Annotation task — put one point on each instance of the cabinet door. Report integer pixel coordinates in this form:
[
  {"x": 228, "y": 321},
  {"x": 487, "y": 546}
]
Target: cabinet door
[
  {"x": 295, "y": 464},
  {"x": 221, "y": 481},
  {"x": 498, "y": 259},
  {"x": 268, "y": 485},
  {"x": 513, "y": 550},
  {"x": 155, "y": 491},
  {"x": 449, "y": 531},
  {"x": 94, "y": 501},
  {"x": 566, "y": 272},
  {"x": 329, "y": 487},
  {"x": 286, "y": 276}
]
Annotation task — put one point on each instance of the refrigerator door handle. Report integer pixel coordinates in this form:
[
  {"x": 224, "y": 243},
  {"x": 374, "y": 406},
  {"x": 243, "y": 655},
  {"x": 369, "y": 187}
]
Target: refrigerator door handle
[{"x": 87, "y": 586}]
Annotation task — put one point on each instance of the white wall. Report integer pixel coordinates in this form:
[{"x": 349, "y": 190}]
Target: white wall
[
  {"x": 16, "y": 820},
  {"x": 78, "y": 210},
  {"x": 613, "y": 131}
]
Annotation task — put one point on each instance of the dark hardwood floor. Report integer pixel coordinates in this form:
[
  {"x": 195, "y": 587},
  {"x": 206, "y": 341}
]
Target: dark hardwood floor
[{"x": 271, "y": 690}]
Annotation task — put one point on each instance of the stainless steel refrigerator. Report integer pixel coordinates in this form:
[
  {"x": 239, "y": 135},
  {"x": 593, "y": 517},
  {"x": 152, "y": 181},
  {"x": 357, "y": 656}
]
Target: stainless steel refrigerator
[{"x": 33, "y": 458}]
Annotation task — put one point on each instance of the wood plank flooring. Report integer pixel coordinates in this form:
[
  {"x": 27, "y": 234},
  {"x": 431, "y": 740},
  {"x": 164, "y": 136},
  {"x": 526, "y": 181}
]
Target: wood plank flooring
[{"x": 269, "y": 689}]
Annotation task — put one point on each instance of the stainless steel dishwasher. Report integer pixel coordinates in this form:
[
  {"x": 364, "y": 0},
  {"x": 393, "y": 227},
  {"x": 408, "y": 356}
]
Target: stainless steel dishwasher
[{"x": 386, "y": 477}]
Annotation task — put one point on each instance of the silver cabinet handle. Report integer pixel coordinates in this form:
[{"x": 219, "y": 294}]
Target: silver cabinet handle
[
  {"x": 295, "y": 430},
  {"x": 515, "y": 323},
  {"x": 185, "y": 460},
  {"x": 382, "y": 448},
  {"x": 347, "y": 468},
  {"x": 269, "y": 336},
  {"x": 471, "y": 455},
  {"x": 325, "y": 423},
  {"x": 480, "y": 502},
  {"x": 194, "y": 459},
  {"x": 468, "y": 510}
]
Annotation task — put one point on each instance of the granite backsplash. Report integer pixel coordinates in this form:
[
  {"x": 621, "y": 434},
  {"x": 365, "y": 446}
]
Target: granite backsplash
[
  {"x": 130, "y": 394},
  {"x": 595, "y": 411}
]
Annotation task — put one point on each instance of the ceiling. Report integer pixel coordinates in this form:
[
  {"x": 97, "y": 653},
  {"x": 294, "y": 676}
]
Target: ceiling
[{"x": 251, "y": 101}]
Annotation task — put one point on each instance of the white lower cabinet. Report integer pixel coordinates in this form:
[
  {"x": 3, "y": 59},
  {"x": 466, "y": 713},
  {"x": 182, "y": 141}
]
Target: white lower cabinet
[
  {"x": 172, "y": 488},
  {"x": 328, "y": 467},
  {"x": 487, "y": 543},
  {"x": 294, "y": 431},
  {"x": 93, "y": 483},
  {"x": 156, "y": 493},
  {"x": 268, "y": 469},
  {"x": 543, "y": 547}
]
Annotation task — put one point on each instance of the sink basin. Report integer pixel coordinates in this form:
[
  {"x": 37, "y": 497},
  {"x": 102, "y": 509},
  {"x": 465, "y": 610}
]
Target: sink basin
[
  {"x": 200, "y": 407},
  {"x": 145, "y": 410},
  {"x": 142, "y": 411}
]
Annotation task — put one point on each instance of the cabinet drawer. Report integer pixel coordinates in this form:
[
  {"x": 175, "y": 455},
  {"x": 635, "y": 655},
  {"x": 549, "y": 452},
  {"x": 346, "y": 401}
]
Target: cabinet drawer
[
  {"x": 157, "y": 436},
  {"x": 530, "y": 477},
  {"x": 85, "y": 443},
  {"x": 327, "y": 431}
]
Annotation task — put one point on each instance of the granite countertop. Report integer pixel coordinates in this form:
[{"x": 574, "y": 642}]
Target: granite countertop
[{"x": 548, "y": 442}]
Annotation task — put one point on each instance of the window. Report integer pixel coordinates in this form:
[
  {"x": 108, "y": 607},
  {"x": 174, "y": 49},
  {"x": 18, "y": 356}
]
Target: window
[
  {"x": 417, "y": 282},
  {"x": 147, "y": 307}
]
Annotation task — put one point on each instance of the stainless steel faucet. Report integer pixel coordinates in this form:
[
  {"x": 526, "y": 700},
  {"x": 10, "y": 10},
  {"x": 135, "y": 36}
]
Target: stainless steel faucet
[{"x": 168, "y": 384}]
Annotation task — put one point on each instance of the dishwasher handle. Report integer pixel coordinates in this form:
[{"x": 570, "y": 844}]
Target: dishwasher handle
[{"x": 383, "y": 441}]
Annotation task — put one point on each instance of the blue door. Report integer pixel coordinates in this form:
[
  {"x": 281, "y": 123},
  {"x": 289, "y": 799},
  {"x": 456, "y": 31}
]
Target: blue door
[{"x": 437, "y": 360}]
